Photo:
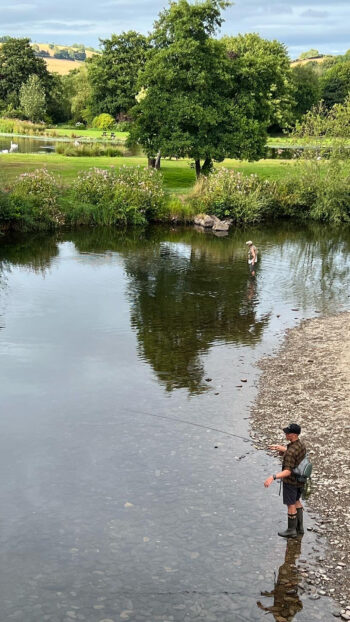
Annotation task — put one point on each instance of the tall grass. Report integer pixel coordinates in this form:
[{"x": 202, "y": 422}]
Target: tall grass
[
  {"x": 16, "y": 126},
  {"x": 88, "y": 150}
]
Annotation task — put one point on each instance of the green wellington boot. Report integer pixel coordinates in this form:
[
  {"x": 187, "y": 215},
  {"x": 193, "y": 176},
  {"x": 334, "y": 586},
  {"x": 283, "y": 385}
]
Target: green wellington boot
[
  {"x": 291, "y": 532},
  {"x": 300, "y": 522}
]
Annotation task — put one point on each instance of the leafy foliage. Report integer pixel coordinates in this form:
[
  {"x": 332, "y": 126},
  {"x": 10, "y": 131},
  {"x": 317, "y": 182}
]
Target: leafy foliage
[
  {"x": 17, "y": 63},
  {"x": 229, "y": 194},
  {"x": 265, "y": 84},
  {"x": 130, "y": 195},
  {"x": 306, "y": 89},
  {"x": 195, "y": 98},
  {"x": 309, "y": 54},
  {"x": 32, "y": 99},
  {"x": 103, "y": 122},
  {"x": 113, "y": 74},
  {"x": 34, "y": 201},
  {"x": 335, "y": 83}
]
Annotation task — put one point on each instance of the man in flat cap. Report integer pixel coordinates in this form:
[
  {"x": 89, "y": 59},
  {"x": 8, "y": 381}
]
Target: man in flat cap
[{"x": 293, "y": 454}]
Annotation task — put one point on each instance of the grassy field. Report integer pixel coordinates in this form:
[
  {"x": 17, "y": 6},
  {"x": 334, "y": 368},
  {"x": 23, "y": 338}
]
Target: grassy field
[
  {"x": 72, "y": 132},
  {"x": 61, "y": 65},
  {"x": 179, "y": 177},
  {"x": 291, "y": 142}
]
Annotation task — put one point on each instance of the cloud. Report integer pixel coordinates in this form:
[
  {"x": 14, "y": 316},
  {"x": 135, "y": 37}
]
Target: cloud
[
  {"x": 300, "y": 24},
  {"x": 18, "y": 7},
  {"x": 314, "y": 14}
]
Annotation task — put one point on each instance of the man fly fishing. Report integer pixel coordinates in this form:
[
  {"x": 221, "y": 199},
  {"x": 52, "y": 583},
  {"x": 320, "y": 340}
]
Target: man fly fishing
[{"x": 293, "y": 455}]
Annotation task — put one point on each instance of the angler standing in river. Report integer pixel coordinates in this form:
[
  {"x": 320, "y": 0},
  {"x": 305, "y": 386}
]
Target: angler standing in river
[
  {"x": 293, "y": 454},
  {"x": 252, "y": 256}
]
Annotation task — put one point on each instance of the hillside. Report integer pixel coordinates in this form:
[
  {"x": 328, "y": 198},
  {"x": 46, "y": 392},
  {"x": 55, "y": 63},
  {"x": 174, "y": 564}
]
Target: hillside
[
  {"x": 304, "y": 61},
  {"x": 61, "y": 65}
]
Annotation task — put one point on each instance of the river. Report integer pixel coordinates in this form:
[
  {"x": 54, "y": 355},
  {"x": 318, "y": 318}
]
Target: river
[{"x": 125, "y": 357}]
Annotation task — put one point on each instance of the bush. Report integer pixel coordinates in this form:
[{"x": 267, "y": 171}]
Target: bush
[
  {"x": 5, "y": 208},
  {"x": 128, "y": 195},
  {"x": 228, "y": 194},
  {"x": 34, "y": 201},
  {"x": 123, "y": 126},
  {"x": 317, "y": 191},
  {"x": 103, "y": 122}
]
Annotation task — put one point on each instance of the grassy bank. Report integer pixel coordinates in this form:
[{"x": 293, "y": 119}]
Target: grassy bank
[
  {"x": 78, "y": 132},
  {"x": 47, "y": 191},
  {"x": 178, "y": 175}
]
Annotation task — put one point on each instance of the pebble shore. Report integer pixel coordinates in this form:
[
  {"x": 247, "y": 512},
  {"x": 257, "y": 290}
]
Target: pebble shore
[{"x": 308, "y": 382}]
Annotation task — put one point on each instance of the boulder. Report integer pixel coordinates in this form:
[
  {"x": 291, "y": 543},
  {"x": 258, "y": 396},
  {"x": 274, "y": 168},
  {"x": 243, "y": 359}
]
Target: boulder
[
  {"x": 220, "y": 225},
  {"x": 203, "y": 220}
]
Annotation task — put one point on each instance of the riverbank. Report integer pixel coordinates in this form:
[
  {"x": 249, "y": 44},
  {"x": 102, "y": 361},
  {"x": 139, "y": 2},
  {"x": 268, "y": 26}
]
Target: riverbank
[{"x": 308, "y": 382}]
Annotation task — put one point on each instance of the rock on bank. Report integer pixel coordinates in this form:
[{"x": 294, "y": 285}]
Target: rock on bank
[{"x": 308, "y": 383}]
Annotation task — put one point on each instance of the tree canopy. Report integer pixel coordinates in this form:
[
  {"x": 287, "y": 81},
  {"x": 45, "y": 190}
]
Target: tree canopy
[
  {"x": 306, "y": 89},
  {"x": 113, "y": 74},
  {"x": 17, "y": 63},
  {"x": 32, "y": 99},
  {"x": 335, "y": 83},
  {"x": 197, "y": 97}
]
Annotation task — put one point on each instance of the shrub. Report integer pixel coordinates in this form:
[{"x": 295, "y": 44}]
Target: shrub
[
  {"x": 5, "y": 208},
  {"x": 103, "y": 122},
  {"x": 315, "y": 190},
  {"x": 229, "y": 194},
  {"x": 128, "y": 195},
  {"x": 34, "y": 201},
  {"x": 124, "y": 126}
]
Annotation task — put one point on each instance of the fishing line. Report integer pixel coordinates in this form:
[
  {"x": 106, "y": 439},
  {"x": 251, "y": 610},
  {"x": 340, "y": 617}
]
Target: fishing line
[{"x": 177, "y": 420}]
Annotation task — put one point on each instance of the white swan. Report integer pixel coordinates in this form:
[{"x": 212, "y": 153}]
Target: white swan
[
  {"x": 5, "y": 151},
  {"x": 14, "y": 147}
]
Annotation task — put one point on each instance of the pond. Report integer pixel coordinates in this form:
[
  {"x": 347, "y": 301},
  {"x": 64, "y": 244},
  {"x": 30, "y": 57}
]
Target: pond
[
  {"x": 44, "y": 144},
  {"x": 123, "y": 360},
  {"x": 29, "y": 144}
]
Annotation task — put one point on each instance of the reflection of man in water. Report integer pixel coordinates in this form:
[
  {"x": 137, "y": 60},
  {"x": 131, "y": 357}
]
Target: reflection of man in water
[
  {"x": 286, "y": 601},
  {"x": 252, "y": 256}
]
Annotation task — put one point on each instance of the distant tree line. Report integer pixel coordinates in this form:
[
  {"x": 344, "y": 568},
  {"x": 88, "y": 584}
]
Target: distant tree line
[{"x": 183, "y": 90}]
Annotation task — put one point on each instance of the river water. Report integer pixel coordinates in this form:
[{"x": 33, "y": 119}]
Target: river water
[{"x": 123, "y": 358}]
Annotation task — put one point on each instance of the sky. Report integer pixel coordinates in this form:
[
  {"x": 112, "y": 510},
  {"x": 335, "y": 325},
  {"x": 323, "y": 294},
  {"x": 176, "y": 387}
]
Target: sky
[{"x": 300, "y": 24}]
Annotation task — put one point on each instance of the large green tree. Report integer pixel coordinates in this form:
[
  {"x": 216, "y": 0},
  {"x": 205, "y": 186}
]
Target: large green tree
[
  {"x": 195, "y": 98},
  {"x": 113, "y": 74},
  {"x": 306, "y": 89},
  {"x": 263, "y": 77},
  {"x": 17, "y": 63}
]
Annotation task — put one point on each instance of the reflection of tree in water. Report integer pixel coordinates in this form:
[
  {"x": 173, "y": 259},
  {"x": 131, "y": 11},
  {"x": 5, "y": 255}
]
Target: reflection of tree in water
[
  {"x": 33, "y": 251},
  {"x": 182, "y": 302},
  {"x": 286, "y": 601}
]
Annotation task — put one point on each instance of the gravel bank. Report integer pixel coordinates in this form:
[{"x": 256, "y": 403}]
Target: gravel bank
[{"x": 308, "y": 382}]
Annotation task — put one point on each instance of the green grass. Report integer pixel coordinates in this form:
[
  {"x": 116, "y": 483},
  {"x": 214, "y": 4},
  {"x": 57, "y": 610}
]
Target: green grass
[
  {"x": 291, "y": 142},
  {"x": 179, "y": 177},
  {"x": 78, "y": 132}
]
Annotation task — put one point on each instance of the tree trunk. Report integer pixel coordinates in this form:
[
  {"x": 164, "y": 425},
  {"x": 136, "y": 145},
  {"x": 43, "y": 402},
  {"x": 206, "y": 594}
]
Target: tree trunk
[
  {"x": 157, "y": 161},
  {"x": 207, "y": 166},
  {"x": 151, "y": 162},
  {"x": 198, "y": 168}
]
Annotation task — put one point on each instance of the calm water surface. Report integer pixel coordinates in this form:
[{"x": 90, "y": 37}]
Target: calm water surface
[{"x": 110, "y": 509}]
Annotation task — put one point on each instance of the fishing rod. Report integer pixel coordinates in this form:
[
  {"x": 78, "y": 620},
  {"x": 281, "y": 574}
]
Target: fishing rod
[{"x": 177, "y": 420}]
